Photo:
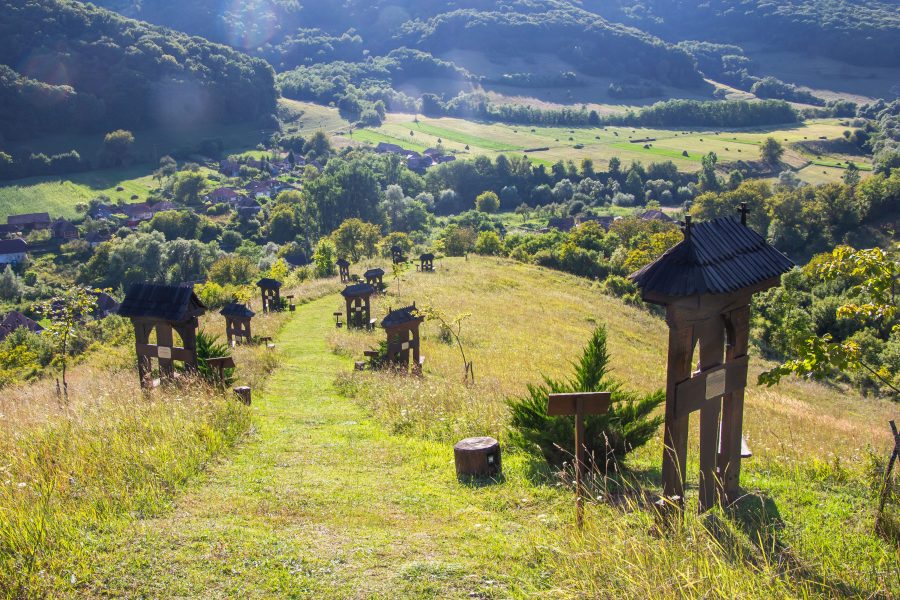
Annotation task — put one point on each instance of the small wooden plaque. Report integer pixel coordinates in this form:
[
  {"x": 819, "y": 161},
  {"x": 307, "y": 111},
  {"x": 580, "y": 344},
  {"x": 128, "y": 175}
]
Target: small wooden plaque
[
  {"x": 592, "y": 403},
  {"x": 164, "y": 352},
  {"x": 715, "y": 384}
]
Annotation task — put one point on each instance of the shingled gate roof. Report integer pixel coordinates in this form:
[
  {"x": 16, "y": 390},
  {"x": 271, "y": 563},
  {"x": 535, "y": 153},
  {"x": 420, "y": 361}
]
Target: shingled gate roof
[
  {"x": 398, "y": 316},
  {"x": 427, "y": 256},
  {"x": 716, "y": 257},
  {"x": 376, "y": 272},
  {"x": 236, "y": 309},
  {"x": 267, "y": 282},
  {"x": 343, "y": 262},
  {"x": 358, "y": 289},
  {"x": 174, "y": 303}
]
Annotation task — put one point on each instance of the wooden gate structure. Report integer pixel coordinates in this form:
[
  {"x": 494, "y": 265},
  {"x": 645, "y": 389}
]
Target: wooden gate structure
[
  {"x": 397, "y": 255},
  {"x": 375, "y": 277},
  {"x": 270, "y": 290},
  {"x": 359, "y": 309},
  {"x": 706, "y": 282},
  {"x": 426, "y": 262},
  {"x": 163, "y": 308},
  {"x": 402, "y": 328},
  {"x": 237, "y": 323},
  {"x": 344, "y": 269}
]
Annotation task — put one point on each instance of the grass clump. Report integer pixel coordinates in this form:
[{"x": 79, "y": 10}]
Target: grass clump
[
  {"x": 112, "y": 453},
  {"x": 627, "y": 424}
]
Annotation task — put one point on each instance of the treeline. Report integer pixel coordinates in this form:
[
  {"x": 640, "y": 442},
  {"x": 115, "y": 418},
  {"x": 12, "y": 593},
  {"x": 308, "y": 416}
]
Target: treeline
[
  {"x": 100, "y": 70},
  {"x": 671, "y": 113},
  {"x": 357, "y": 88},
  {"x": 36, "y": 165},
  {"x": 574, "y": 35},
  {"x": 865, "y": 32}
]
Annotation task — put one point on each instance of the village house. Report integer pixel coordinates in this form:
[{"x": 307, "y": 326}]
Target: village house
[
  {"x": 561, "y": 223},
  {"x": 96, "y": 238},
  {"x": 655, "y": 215},
  {"x": 223, "y": 194},
  {"x": 64, "y": 229},
  {"x": 13, "y": 321},
  {"x": 12, "y": 252},
  {"x": 29, "y": 221}
]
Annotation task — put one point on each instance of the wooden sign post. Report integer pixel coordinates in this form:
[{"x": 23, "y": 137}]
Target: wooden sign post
[
  {"x": 890, "y": 467},
  {"x": 579, "y": 404}
]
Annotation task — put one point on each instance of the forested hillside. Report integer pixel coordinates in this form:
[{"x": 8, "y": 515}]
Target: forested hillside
[
  {"x": 74, "y": 67},
  {"x": 857, "y": 31}
]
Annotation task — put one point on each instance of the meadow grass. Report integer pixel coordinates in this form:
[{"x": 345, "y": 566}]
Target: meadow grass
[
  {"x": 602, "y": 143},
  {"x": 345, "y": 486},
  {"x": 78, "y": 469}
]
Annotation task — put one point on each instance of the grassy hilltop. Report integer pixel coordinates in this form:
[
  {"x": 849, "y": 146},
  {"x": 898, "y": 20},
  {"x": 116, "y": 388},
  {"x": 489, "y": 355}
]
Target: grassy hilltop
[{"x": 343, "y": 485}]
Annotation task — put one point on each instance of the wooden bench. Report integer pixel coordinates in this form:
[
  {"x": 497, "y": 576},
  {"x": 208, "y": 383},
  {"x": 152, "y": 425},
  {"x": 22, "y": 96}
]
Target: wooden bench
[
  {"x": 371, "y": 325},
  {"x": 337, "y": 319},
  {"x": 267, "y": 341},
  {"x": 219, "y": 364}
]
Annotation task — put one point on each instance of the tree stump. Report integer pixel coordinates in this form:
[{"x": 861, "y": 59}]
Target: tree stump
[
  {"x": 477, "y": 457},
  {"x": 243, "y": 394}
]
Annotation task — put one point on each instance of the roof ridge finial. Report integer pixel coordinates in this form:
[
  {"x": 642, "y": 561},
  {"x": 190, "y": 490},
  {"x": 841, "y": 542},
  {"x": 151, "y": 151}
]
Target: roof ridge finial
[
  {"x": 687, "y": 227},
  {"x": 743, "y": 210}
]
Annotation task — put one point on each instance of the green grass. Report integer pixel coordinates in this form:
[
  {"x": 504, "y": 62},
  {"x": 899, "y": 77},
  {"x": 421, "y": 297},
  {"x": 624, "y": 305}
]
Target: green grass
[
  {"x": 346, "y": 486},
  {"x": 59, "y": 196},
  {"x": 471, "y": 140}
]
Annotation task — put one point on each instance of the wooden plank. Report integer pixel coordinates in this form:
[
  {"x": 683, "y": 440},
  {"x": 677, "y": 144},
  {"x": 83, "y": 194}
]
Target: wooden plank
[
  {"x": 732, "y": 447},
  {"x": 593, "y": 403},
  {"x": 712, "y": 350},
  {"x": 681, "y": 348},
  {"x": 152, "y": 350},
  {"x": 221, "y": 362},
  {"x": 692, "y": 394}
]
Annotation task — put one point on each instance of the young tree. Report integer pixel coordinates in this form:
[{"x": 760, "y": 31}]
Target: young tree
[
  {"x": 116, "y": 146},
  {"x": 355, "y": 239},
  {"x": 487, "y": 202},
  {"x": 324, "y": 257},
  {"x": 771, "y": 151},
  {"x": 10, "y": 284},
  {"x": 523, "y": 210},
  {"x": 318, "y": 146},
  {"x": 851, "y": 175},
  {"x": 489, "y": 244},
  {"x": 875, "y": 275},
  {"x": 708, "y": 179},
  {"x": 66, "y": 313}
]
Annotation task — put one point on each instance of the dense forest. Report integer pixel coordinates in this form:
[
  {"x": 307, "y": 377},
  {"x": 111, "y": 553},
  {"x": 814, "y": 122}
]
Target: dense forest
[
  {"x": 74, "y": 67},
  {"x": 858, "y": 31}
]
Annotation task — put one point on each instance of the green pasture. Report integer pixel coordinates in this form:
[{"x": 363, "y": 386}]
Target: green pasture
[
  {"x": 59, "y": 197},
  {"x": 603, "y": 143}
]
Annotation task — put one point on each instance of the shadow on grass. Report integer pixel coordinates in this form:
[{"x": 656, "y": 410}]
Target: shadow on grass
[
  {"x": 757, "y": 516},
  {"x": 480, "y": 482}
]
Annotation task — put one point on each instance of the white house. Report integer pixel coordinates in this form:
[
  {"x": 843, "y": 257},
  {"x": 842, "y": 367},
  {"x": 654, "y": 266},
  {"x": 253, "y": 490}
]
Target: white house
[{"x": 12, "y": 252}]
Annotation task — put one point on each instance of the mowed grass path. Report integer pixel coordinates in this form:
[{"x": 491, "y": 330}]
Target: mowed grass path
[{"x": 322, "y": 502}]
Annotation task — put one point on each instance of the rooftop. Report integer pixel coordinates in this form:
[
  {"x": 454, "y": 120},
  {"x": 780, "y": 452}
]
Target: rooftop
[
  {"x": 236, "y": 309},
  {"x": 267, "y": 282},
  {"x": 14, "y": 246},
  {"x": 376, "y": 272},
  {"x": 715, "y": 257},
  {"x": 398, "y": 316},
  {"x": 358, "y": 289},
  {"x": 176, "y": 303}
]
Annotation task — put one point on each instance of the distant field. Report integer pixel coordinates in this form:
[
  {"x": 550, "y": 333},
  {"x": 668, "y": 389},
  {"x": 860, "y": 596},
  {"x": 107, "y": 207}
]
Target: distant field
[
  {"x": 59, "y": 197},
  {"x": 684, "y": 147}
]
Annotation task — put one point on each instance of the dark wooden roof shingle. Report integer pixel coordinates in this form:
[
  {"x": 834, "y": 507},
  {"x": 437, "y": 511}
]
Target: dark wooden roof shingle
[
  {"x": 716, "y": 257},
  {"x": 358, "y": 290},
  {"x": 174, "y": 303},
  {"x": 269, "y": 283},
  {"x": 236, "y": 309},
  {"x": 376, "y": 272},
  {"x": 399, "y": 316}
]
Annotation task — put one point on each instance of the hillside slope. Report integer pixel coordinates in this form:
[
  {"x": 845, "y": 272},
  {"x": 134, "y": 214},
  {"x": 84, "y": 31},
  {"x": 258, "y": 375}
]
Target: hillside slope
[
  {"x": 337, "y": 498},
  {"x": 75, "y": 67}
]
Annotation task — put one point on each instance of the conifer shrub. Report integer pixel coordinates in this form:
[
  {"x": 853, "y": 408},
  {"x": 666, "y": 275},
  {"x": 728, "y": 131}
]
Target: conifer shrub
[{"x": 627, "y": 425}]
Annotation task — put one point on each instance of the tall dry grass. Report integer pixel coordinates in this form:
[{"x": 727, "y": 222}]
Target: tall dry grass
[{"x": 72, "y": 469}]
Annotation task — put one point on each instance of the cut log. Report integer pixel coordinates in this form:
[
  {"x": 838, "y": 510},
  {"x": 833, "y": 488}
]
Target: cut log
[
  {"x": 243, "y": 394},
  {"x": 477, "y": 457}
]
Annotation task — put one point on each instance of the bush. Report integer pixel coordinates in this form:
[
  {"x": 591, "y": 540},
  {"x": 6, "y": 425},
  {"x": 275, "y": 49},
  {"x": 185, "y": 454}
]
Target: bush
[
  {"x": 608, "y": 438},
  {"x": 489, "y": 244}
]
